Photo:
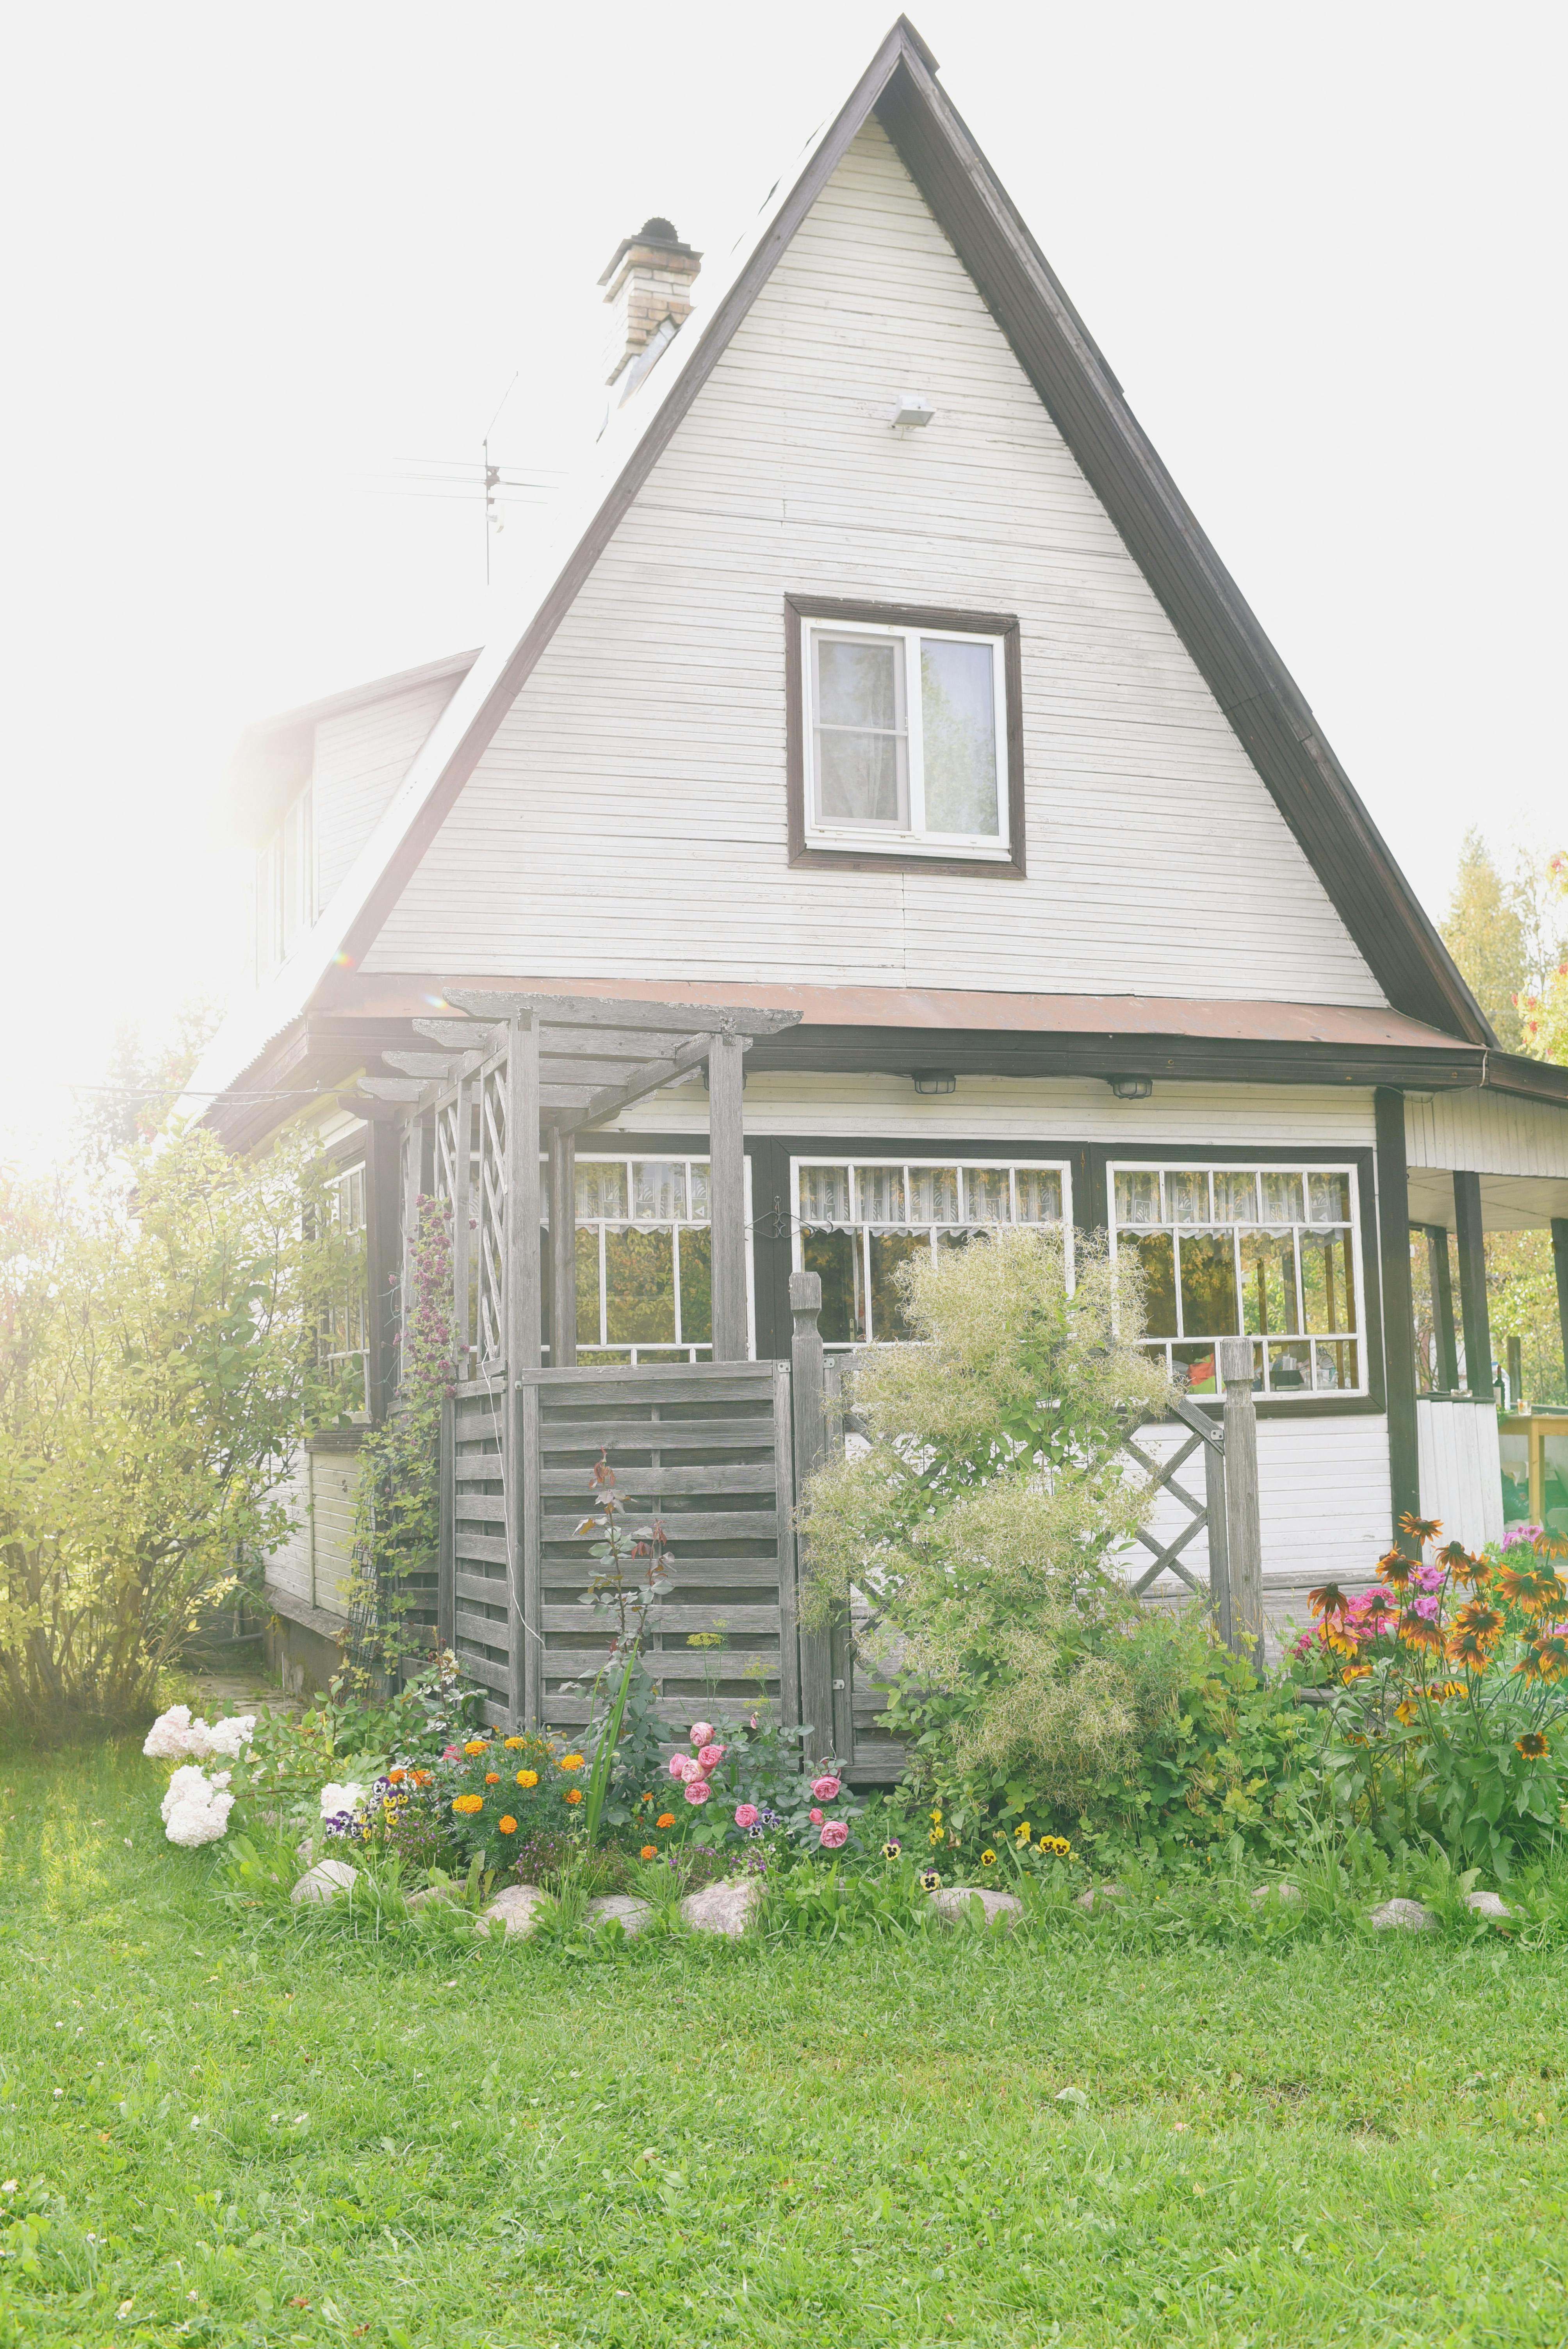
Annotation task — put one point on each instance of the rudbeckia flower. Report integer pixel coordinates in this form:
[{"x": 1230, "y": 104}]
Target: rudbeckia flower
[
  {"x": 1421, "y": 1529},
  {"x": 1328, "y": 1600},
  {"x": 1418, "y": 1631},
  {"x": 1533, "y": 1745},
  {"x": 1396, "y": 1569},
  {"x": 1460, "y": 1565}
]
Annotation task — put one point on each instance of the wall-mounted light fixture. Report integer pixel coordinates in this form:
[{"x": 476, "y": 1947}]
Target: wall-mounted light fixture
[
  {"x": 934, "y": 1081},
  {"x": 1130, "y": 1088},
  {"x": 913, "y": 407}
]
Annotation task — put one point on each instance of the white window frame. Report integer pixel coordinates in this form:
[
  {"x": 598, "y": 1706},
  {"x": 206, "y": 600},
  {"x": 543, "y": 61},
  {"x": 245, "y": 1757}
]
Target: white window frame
[
  {"x": 870, "y": 838},
  {"x": 285, "y": 903},
  {"x": 600, "y": 1348},
  {"x": 964, "y": 1161},
  {"x": 1303, "y": 1340}
]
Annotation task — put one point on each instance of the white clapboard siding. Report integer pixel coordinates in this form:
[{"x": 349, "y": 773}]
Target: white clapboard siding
[
  {"x": 1324, "y": 1507},
  {"x": 1030, "y": 1110},
  {"x": 361, "y": 756},
  {"x": 335, "y": 1477},
  {"x": 289, "y": 1566},
  {"x": 1460, "y": 1468},
  {"x": 629, "y": 816},
  {"x": 1487, "y": 1133}
]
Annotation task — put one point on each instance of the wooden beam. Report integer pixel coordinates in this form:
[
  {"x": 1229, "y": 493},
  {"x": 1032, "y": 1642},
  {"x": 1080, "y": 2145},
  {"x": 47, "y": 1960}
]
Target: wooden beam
[
  {"x": 1474, "y": 1312},
  {"x": 1560, "y": 1262},
  {"x": 1398, "y": 1304},
  {"x": 393, "y": 1089},
  {"x": 612, "y": 1099},
  {"x": 1443, "y": 1305},
  {"x": 563, "y": 1250},
  {"x": 726, "y": 1197},
  {"x": 589, "y": 1011},
  {"x": 462, "y": 1215},
  {"x": 383, "y": 1169},
  {"x": 457, "y": 1035},
  {"x": 433, "y": 1067},
  {"x": 1243, "y": 1541},
  {"x": 522, "y": 1201}
]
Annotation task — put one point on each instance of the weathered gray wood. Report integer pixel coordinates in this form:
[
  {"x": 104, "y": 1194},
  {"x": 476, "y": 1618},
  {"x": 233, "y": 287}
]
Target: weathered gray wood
[
  {"x": 1399, "y": 1309},
  {"x": 1214, "y": 1518},
  {"x": 1560, "y": 1266},
  {"x": 610, "y": 1011},
  {"x": 563, "y": 1249},
  {"x": 810, "y": 1431},
  {"x": 1243, "y": 1532},
  {"x": 784, "y": 1519},
  {"x": 1474, "y": 1312},
  {"x": 479, "y": 1550},
  {"x": 462, "y": 1211},
  {"x": 847, "y": 1741},
  {"x": 413, "y": 1143},
  {"x": 637, "y": 1484},
  {"x": 670, "y": 1615},
  {"x": 457, "y": 1035},
  {"x": 393, "y": 1089},
  {"x": 610, "y": 1100},
  {"x": 446, "y": 1554},
  {"x": 433, "y": 1066},
  {"x": 526, "y": 1636},
  {"x": 522, "y": 1202},
  {"x": 693, "y": 1524},
  {"x": 660, "y": 1434},
  {"x": 1443, "y": 1307},
  {"x": 727, "y": 1198}
]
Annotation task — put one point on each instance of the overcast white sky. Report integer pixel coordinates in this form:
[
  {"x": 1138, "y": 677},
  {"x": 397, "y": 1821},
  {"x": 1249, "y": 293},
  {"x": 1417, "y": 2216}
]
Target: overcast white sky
[{"x": 262, "y": 261}]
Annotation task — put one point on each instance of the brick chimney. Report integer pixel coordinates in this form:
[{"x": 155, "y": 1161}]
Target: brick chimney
[{"x": 648, "y": 281}]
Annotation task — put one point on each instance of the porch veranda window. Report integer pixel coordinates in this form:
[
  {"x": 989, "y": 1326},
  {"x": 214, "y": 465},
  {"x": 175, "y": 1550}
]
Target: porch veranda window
[
  {"x": 858, "y": 1221},
  {"x": 644, "y": 1285},
  {"x": 1261, "y": 1252}
]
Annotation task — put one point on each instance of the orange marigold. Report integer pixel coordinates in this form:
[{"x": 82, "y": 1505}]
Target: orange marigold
[
  {"x": 492, "y": 1777},
  {"x": 507, "y": 1826},
  {"x": 527, "y": 1777},
  {"x": 476, "y": 1746},
  {"x": 666, "y": 1819},
  {"x": 649, "y": 1851},
  {"x": 574, "y": 1794},
  {"x": 572, "y": 1761},
  {"x": 395, "y": 1777},
  {"x": 466, "y": 1805}
]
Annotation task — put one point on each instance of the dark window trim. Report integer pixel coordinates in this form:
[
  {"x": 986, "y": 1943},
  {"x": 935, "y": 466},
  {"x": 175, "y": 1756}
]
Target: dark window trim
[{"x": 798, "y": 608}]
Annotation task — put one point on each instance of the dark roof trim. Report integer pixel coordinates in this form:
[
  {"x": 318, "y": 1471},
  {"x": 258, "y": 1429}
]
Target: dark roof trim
[{"x": 1266, "y": 708}]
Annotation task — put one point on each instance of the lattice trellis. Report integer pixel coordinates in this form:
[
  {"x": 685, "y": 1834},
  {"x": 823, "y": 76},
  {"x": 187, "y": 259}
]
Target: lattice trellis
[
  {"x": 489, "y": 1332},
  {"x": 1205, "y": 1515}
]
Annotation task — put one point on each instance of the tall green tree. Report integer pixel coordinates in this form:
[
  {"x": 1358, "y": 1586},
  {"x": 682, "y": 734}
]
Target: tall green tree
[{"x": 1508, "y": 932}]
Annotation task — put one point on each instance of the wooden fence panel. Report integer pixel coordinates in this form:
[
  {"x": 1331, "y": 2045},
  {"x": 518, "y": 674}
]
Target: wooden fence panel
[
  {"x": 480, "y": 1549},
  {"x": 708, "y": 1447}
]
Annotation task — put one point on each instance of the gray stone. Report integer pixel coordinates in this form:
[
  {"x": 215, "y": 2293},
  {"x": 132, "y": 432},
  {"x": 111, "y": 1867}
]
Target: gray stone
[
  {"x": 620, "y": 1908},
  {"x": 325, "y": 1881},
  {"x": 1407, "y": 1914},
  {"x": 1488, "y": 1904},
  {"x": 1290, "y": 1896},
  {"x": 432, "y": 1892},
  {"x": 1098, "y": 1892},
  {"x": 726, "y": 1908},
  {"x": 952, "y": 1901},
  {"x": 513, "y": 1910}
]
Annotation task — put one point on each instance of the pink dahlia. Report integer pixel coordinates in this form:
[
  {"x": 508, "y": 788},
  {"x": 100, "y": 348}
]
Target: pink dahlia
[
  {"x": 834, "y": 1834},
  {"x": 697, "y": 1790},
  {"x": 826, "y": 1788},
  {"x": 746, "y": 1814}
]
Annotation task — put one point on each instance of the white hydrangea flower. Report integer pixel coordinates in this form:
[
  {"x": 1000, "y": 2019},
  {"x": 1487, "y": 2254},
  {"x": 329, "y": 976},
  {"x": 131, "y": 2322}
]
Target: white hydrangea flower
[
  {"x": 336, "y": 1799},
  {"x": 169, "y": 1735},
  {"x": 231, "y": 1736},
  {"x": 196, "y": 1809}
]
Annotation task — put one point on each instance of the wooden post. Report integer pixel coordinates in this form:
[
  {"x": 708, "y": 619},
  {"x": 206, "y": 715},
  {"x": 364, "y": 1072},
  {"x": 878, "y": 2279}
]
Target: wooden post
[
  {"x": 726, "y": 1198},
  {"x": 1560, "y": 1262},
  {"x": 1442, "y": 1307},
  {"x": 1243, "y": 1535},
  {"x": 522, "y": 1342},
  {"x": 1473, "y": 1286},
  {"x": 1398, "y": 1304},
  {"x": 413, "y": 1168},
  {"x": 563, "y": 1250},
  {"x": 1218, "y": 1529},
  {"x": 810, "y": 1451},
  {"x": 382, "y": 1194},
  {"x": 446, "y": 1564},
  {"x": 462, "y": 1185},
  {"x": 842, "y": 1633}
]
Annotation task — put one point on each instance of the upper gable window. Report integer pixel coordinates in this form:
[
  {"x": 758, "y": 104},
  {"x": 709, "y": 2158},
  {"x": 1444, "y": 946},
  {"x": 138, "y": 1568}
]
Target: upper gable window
[
  {"x": 286, "y": 887},
  {"x": 903, "y": 737}
]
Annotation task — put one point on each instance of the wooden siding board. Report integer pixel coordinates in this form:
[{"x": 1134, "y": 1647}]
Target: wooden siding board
[
  {"x": 614, "y": 732},
  {"x": 361, "y": 756}
]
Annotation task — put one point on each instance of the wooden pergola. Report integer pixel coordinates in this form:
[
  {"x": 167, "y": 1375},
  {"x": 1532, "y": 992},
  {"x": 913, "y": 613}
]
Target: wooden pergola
[{"x": 544, "y": 1069}]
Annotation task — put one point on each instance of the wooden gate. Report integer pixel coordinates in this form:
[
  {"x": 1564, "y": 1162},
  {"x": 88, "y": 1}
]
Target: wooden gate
[{"x": 708, "y": 1448}]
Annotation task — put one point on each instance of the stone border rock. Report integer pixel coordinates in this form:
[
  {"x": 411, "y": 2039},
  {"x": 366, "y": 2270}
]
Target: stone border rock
[
  {"x": 622, "y": 1908},
  {"x": 1402, "y": 1915},
  {"x": 513, "y": 1910},
  {"x": 951, "y": 1902},
  {"x": 726, "y": 1908},
  {"x": 324, "y": 1882}
]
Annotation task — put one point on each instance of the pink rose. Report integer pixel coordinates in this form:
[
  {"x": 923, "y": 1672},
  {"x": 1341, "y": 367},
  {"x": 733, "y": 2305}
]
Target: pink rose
[
  {"x": 678, "y": 1765},
  {"x": 826, "y": 1788},
  {"x": 746, "y": 1814},
  {"x": 697, "y": 1790},
  {"x": 710, "y": 1758},
  {"x": 815, "y": 1818},
  {"x": 691, "y": 1768},
  {"x": 834, "y": 1834},
  {"x": 701, "y": 1731}
]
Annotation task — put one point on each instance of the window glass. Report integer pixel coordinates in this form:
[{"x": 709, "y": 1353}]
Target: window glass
[
  {"x": 639, "y": 1286},
  {"x": 659, "y": 1190},
  {"x": 861, "y": 751},
  {"x": 858, "y": 1228},
  {"x": 958, "y": 731},
  {"x": 645, "y": 1286},
  {"x": 601, "y": 1187},
  {"x": 1262, "y": 1252}
]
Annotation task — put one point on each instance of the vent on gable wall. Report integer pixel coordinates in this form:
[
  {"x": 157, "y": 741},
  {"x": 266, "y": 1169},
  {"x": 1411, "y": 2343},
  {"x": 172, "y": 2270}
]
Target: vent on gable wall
[{"x": 648, "y": 287}]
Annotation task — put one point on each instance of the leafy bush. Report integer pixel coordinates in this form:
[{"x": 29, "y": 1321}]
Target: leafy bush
[{"x": 158, "y": 1361}]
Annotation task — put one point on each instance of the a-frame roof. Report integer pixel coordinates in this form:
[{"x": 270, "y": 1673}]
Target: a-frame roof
[{"x": 1259, "y": 699}]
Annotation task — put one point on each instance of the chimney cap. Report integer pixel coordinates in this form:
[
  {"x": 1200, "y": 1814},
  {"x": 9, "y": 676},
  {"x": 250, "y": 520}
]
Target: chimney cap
[{"x": 656, "y": 232}]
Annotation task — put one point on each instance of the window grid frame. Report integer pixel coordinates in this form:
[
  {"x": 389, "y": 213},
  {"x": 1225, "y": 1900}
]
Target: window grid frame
[
  {"x": 964, "y": 1163},
  {"x": 629, "y": 1352},
  {"x": 917, "y": 838},
  {"x": 1304, "y": 1168}
]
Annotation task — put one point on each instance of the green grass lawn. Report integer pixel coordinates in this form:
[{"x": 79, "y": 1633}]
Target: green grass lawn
[{"x": 234, "y": 2137}]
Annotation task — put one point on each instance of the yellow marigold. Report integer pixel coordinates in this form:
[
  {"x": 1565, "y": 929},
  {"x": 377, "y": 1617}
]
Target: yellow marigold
[
  {"x": 476, "y": 1746},
  {"x": 666, "y": 1819},
  {"x": 512, "y": 1744},
  {"x": 649, "y": 1851},
  {"x": 574, "y": 1794},
  {"x": 466, "y": 1805},
  {"x": 507, "y": 1826},
  {"x": 527, "y": 1777},
  {"x": 572, "y": 1761},
  {"x": 492, "y": 1777}
]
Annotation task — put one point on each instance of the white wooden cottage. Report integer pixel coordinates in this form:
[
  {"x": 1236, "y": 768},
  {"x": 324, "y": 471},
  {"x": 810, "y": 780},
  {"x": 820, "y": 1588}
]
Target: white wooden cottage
[{"x": 877, "y": 673}]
